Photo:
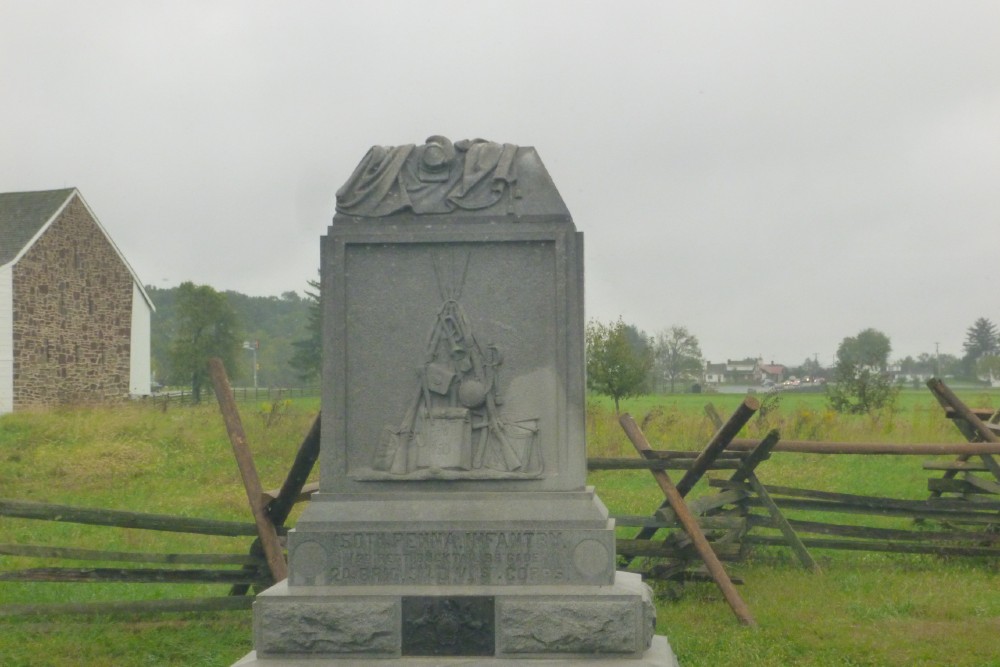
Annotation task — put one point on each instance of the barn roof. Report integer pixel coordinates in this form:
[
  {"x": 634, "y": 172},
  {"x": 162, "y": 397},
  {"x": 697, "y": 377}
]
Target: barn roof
[{"x": 23, "y": 215}]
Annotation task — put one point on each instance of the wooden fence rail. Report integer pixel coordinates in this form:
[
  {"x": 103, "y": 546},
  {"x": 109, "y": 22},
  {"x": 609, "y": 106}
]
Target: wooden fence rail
[
  {"x": 134, "y": 575},
  {"x": 674, "y": 499},
  {"x": 128, "y": 607},
  {"x": 68, "y": 553},
  {"x": 27, "y": 509},
  {"x": 875, "y": 448},
  {"x": 741, "y": 512},
  {"x": 247, "y": 570},
  {"x": 262, "y": 566},
  {"x": 241, "y": 394}
]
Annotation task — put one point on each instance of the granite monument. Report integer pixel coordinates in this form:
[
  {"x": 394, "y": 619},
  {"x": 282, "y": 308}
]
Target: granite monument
[{"x": 453, "y": 525}]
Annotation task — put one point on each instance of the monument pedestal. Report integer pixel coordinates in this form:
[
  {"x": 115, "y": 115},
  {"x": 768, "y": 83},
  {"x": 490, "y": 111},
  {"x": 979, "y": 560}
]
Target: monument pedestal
[
  {"x": 484, "y": 538},
  {"x": 453, "y": 525},
  {"x": 505, "y": 577},
  {"x": 413, "y": 623},
  {"x": 658, "y": 655}
]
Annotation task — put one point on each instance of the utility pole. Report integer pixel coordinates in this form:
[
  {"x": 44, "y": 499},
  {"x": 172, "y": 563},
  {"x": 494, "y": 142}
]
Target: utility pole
[{"x": 253, "y": 346}]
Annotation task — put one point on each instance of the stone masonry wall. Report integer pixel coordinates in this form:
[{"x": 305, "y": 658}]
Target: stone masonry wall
[{"x": 72, "y": 316}]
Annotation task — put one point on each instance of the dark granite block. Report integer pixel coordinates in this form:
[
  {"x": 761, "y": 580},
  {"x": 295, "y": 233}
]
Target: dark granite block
[{"x": 448, "y": 626}]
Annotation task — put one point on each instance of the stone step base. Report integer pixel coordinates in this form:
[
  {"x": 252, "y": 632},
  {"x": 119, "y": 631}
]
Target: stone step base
[
  {"x": 659, "y": 655},
  {"x": 472, "y": 622}
]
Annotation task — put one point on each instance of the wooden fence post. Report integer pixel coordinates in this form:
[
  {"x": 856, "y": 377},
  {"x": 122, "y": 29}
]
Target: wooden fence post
[
  {"x": 248, "y": 471},
  {"x": 939, "y": 388},
  {"x": 719, "y": 442},
  {"x": 712, "y": 450},
  {"x": 690, "y": 525},
  {"x": 280, "y": 507}
]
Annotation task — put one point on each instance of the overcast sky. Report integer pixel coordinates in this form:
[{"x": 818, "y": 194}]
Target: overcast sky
[{"x": 774, "y": 176}]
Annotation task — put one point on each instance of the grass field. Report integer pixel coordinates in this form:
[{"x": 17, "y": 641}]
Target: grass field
[{"x": 866, "y": 609}]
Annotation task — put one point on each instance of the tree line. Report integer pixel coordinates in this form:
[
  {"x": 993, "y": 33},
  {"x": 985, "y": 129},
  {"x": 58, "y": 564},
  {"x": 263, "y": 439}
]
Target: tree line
[
  {"x": 283, "y": 336},
  {"x": 194, "y": 322},
  {"x": 623, "y": 361}
]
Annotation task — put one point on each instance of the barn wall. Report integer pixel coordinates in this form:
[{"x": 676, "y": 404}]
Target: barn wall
[
  {"x": 6, "y": 341},
  {"x": 140, "y": 376},
  {"x": 72, "y": 302}
]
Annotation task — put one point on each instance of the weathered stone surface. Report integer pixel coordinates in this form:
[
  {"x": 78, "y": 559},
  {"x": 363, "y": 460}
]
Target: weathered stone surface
[
  {"x": 581, "y": 627},
  {"x": 72, "y": 315},
  {"x": 529, "y": 621},
  {"x": 659, "y": 655},
  {"x": 430, "y": 321},
  {"x": 618, "y": 619},
  {"x": 443, "y": 625},
  {"x": 453, "y": 462},
  {"x": 333, "y": 627},
  {"x": 437, "y": 555},
  {"x": 462, "y": 510},
  {"x": 440, "y": 177},
  {"x": 568, "y": 627}
]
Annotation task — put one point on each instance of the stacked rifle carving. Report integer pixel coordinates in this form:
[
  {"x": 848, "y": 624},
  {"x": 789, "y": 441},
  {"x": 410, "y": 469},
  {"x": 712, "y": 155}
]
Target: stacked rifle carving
[{"x": 453, "y": 427}]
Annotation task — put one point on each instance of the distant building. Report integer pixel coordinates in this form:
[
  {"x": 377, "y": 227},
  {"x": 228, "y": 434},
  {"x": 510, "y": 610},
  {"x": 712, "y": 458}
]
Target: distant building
[
  {"x": 74, "y": 318},
  {"x": 741, "y": 371},
  {"x": 747, "y": 371},
  {"x": 715, "y": 374},
  {"x": 771, "y": 372}
]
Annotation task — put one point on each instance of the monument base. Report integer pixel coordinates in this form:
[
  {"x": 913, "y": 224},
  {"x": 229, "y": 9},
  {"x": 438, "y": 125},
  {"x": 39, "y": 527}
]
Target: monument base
[
  {"x": 659, "y": 655},
  {"x": 458, "y": 625},
  {"x": 452, "y": 538}
]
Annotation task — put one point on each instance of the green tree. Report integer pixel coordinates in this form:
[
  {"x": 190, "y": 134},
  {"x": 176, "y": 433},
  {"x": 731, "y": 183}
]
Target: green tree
[
  {"x": 205, "y": 327},
  {"x": 981, "y": 339},
  {"x": 615, "y": 367},
  {"x": 307, "y": 360},
  {"x": 273, "y": 321},
  {"x": 677, "y": 356},
  {"x": 927, "y": 364},
  {"x": 810, "y": 368},
  {"x": 638, "y": 339},
  {"x": 947, "y": 365},
  {"x": 861, "y": 379},
  {"x": 988, "y": 368}
]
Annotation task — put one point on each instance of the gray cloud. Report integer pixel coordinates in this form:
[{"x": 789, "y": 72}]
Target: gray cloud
[{"x": 773, "y": 175}]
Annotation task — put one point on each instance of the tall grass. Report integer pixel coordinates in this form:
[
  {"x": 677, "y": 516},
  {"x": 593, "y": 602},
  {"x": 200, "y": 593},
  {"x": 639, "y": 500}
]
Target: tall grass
[
  {"x": 133, "y": 457},
  {"x": 867, "y": 609},
  {"x": 678, "y": 421}
]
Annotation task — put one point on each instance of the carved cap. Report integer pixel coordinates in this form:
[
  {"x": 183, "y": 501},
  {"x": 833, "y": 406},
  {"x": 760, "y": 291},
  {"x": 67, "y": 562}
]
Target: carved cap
[{"x": 476, "y": 177}]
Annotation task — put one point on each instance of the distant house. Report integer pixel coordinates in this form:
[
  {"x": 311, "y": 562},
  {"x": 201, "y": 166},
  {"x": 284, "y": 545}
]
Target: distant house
[
  {"x": 74, "y": 318},
  {"x": 715, "y": 374},
  {"x": 741, "y": 371},
  {"x": 771, "y": 372}
]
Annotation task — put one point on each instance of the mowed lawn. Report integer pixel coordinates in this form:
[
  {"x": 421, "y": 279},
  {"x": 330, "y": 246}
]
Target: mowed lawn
[{"x": 865, "y": 609}]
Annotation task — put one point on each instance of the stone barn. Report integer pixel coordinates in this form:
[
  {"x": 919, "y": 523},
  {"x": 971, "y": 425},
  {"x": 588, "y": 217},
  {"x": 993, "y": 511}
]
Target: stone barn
[{"x": 74, "y": 317}]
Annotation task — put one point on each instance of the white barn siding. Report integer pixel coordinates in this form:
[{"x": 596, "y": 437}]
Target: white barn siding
[
  {"x": 6, "y": 338},
  {"x": 139, "y": 374}
]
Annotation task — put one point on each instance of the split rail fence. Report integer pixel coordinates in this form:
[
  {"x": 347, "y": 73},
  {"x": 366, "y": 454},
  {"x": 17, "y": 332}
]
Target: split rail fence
[
  {"x": 263, "y": 565},
  {"x": 681, "y": 539},
  {"x": 240, "y": 394},
  {"x": 960, "y": 517}
]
